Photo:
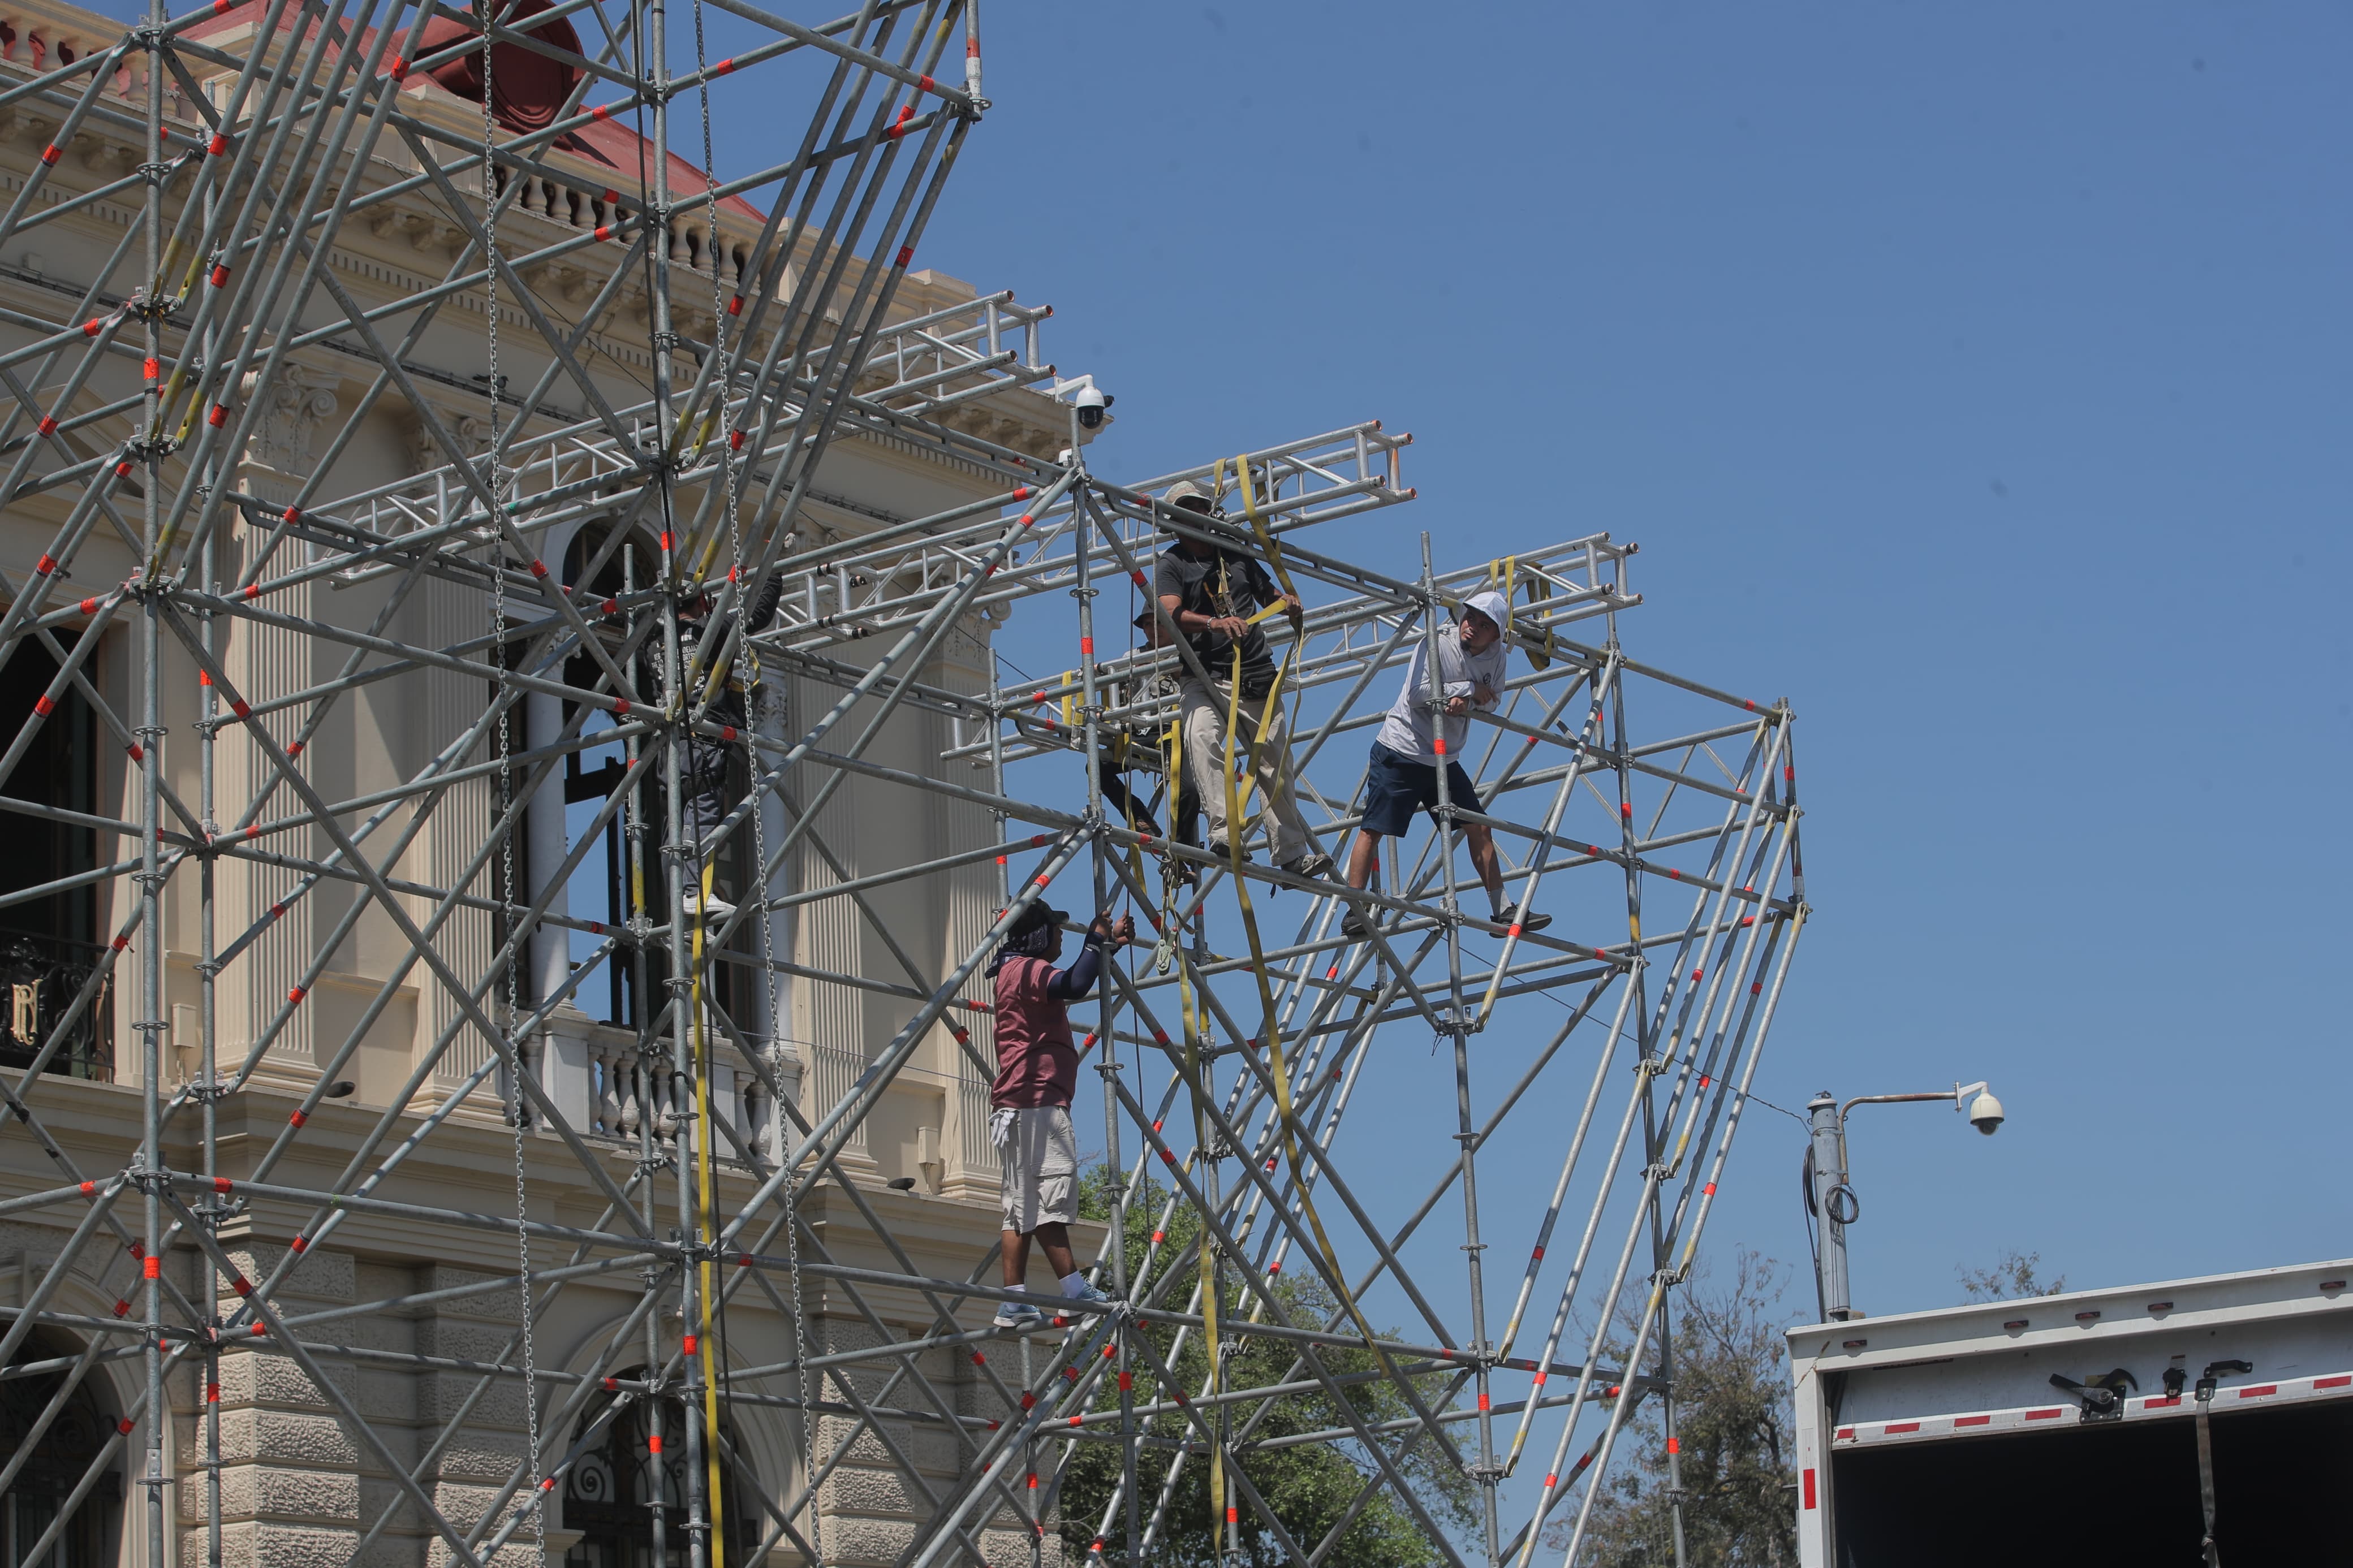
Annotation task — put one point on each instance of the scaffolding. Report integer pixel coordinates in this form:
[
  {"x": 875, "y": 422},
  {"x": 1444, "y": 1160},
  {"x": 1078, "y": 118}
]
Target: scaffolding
[{"x": 1654, "y": 817}]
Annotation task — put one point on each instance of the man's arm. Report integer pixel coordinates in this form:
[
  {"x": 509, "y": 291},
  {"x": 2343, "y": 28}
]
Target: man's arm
[
  {"x": 1079, "y": 980},
  {"x": 771, "y": 596},
  {"x": 1193, "y": 622}
]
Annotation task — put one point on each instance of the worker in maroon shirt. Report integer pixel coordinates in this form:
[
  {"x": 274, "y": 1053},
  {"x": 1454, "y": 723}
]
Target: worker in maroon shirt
[{"x": 1037, "y": 1071}]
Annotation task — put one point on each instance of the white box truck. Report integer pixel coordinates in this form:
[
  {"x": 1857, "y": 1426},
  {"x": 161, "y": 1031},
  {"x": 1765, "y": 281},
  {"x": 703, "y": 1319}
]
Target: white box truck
[{"x": 2066, "y": 1429}]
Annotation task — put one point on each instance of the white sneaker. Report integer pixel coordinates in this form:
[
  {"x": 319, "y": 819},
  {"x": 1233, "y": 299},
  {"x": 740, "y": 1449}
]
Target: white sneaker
[
  {"x": 1021, "y": 1317},
  {"x": 711, "y": 909}
]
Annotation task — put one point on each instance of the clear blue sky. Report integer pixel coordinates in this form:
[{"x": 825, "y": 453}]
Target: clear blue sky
[{"x": 1975, "y": 377}]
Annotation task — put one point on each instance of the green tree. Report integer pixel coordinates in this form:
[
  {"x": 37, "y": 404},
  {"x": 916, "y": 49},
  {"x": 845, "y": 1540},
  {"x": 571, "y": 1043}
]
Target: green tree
[
  {"x": 1734, "y": 1428},
  {"x": 2011, "y": 1277},
  {"x": 1309, "y": 1486}
]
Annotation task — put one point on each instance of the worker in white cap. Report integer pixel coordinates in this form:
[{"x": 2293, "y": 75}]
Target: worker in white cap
[{"x": 1420, "y": 734}]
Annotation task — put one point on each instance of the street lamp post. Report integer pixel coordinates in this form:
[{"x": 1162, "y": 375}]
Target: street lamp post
[{"x": 1828, "y": 1195}]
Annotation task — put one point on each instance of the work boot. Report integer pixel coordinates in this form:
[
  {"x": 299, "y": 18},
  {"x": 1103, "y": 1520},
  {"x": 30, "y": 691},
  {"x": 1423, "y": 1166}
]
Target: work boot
[
  {"x": 1352, "y": 926},
  {"x": 1535, "y": 919},
  {"x": 1311, "y": 865},
  {"x": 1218, "y": 847}
]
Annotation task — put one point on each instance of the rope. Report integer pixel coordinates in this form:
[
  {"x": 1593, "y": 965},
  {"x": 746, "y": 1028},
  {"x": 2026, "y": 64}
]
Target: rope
[{"x": 506, "y": 784}]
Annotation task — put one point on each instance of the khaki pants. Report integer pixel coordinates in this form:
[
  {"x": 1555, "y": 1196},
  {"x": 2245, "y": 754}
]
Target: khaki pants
[
  {"x": 1038, "y": 1160},
  {"x": 1204, "y": 711}
]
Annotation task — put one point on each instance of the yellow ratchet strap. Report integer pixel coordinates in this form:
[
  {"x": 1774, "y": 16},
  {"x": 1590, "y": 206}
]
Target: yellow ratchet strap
[
  {"x": 1277, "y": 1069},
  {"x": 1205, "y": 1262},
  {"x": 705, "y": 1216}
]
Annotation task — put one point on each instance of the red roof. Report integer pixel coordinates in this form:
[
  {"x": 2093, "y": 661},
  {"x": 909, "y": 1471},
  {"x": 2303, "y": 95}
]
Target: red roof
[{"x": 609, "y": 143}]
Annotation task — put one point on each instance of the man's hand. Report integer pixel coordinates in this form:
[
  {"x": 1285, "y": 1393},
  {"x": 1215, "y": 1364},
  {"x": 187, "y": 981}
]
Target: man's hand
[
  {"x": 1484, "y": 696},
  {"x": 1458, "y": 705},
  {"x": 1116, "y": 934},
  {"x": 1233, "y": 629},
  {"x": 1296, "y": 611}
]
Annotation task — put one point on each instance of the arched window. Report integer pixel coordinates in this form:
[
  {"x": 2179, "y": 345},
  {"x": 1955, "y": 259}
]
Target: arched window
[
  {"x": 55, "y": 1462},
  {"x": 609, "y": 1495},
  {"x": 601, "y": 886}
]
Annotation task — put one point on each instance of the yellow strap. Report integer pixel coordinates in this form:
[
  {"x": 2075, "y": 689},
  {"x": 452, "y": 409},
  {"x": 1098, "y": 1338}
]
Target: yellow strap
[
  {"x": 1273, "y": 1029},
  {"x": 705, "y": 1217}
]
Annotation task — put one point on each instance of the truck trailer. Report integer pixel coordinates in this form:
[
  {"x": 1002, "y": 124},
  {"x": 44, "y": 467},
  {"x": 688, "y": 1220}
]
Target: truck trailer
[{"x": 2195, "y": 1421}]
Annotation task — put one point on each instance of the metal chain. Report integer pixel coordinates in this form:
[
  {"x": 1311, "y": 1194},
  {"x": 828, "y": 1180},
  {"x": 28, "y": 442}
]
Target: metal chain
[
  {"x": 752, "y": 683},
  {"x": 506, "y": 785}
]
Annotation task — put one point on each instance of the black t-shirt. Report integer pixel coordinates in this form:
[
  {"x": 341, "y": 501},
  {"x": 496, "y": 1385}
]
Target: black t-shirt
[{"x": 1226, "y": 583}]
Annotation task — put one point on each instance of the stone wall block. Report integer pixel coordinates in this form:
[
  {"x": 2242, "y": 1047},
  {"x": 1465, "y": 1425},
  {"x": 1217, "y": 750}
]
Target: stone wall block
[
  {"x": 861, "y": 1491},
  {"x": 282, "y": 1436},
  {"x": 867, "y": 1449},
  {"x": 271, "y": 1545},
  {"x": 301, "y": 1496},
  {"x": 323, "y": 1275},
  {"x": 479, "y": 1453},
  {"x": 260, "y": 1377},
  {"x": 851, "y": 1542},
  {"x": 462, "y": 1503}
]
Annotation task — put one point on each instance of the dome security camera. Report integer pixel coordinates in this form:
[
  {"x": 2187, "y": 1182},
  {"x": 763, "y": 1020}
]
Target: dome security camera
[
  {"x": 1089, "y": 400},
  {"x": 1985, "y": 1114}
]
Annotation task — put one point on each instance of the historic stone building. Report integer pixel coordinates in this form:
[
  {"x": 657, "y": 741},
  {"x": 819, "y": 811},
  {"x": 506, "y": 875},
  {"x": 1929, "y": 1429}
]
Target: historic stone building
[{"x": 329, "y": 985}]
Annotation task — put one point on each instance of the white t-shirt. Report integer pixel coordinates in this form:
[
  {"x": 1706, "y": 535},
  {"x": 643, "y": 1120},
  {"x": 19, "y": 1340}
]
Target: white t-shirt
[{"x": 1406, "y": 729}]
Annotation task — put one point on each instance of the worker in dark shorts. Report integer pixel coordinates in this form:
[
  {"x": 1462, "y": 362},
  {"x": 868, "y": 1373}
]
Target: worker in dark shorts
[
  {"x": 1037, "y": 1072},
  {"x": 1402, "y": 777}
]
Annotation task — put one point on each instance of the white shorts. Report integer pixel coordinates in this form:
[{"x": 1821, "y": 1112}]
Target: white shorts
[{"x": 1039, "y": 1160}]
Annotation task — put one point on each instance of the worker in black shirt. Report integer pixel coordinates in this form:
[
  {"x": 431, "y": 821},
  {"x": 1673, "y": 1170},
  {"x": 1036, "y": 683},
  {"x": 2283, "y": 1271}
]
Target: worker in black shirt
[
  {"x": 704, "y": 759},
  {"x": 1212, "y": 593}
]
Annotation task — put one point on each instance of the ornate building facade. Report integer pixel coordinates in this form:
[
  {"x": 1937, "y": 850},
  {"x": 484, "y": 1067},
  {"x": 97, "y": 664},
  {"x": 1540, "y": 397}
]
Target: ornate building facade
[{"x": 327, "y": 990}]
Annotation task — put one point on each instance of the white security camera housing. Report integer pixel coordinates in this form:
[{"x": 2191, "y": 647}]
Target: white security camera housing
[
  {"x": 1985, "y": 1114},
  {"x": 1089, "y": 399}
]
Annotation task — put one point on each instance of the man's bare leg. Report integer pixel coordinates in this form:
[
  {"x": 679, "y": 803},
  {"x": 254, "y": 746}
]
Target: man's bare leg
[
  {"x": 1014, "y": 1248},
  {"x": 1483, "y": 856},
  {"x": 1053, "y": 1237}
]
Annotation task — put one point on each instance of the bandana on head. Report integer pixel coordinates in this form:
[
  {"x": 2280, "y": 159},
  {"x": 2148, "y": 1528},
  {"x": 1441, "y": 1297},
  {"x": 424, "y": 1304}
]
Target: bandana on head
[{"x": 1035, "y": 942}]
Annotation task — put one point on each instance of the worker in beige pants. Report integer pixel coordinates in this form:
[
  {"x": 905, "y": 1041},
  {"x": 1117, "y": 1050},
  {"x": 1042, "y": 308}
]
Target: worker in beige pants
[{"x": 1204, "y": 710}]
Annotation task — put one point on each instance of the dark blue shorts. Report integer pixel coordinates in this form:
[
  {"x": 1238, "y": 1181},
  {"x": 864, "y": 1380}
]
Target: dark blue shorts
[{"x": 1396, "y": 787}]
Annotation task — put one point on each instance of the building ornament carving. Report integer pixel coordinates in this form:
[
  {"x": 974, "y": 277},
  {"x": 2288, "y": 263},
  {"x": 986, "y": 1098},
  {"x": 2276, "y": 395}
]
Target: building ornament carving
[
  {"x": 472, "y": 428},
  {"x": 292, "y": 410}
]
